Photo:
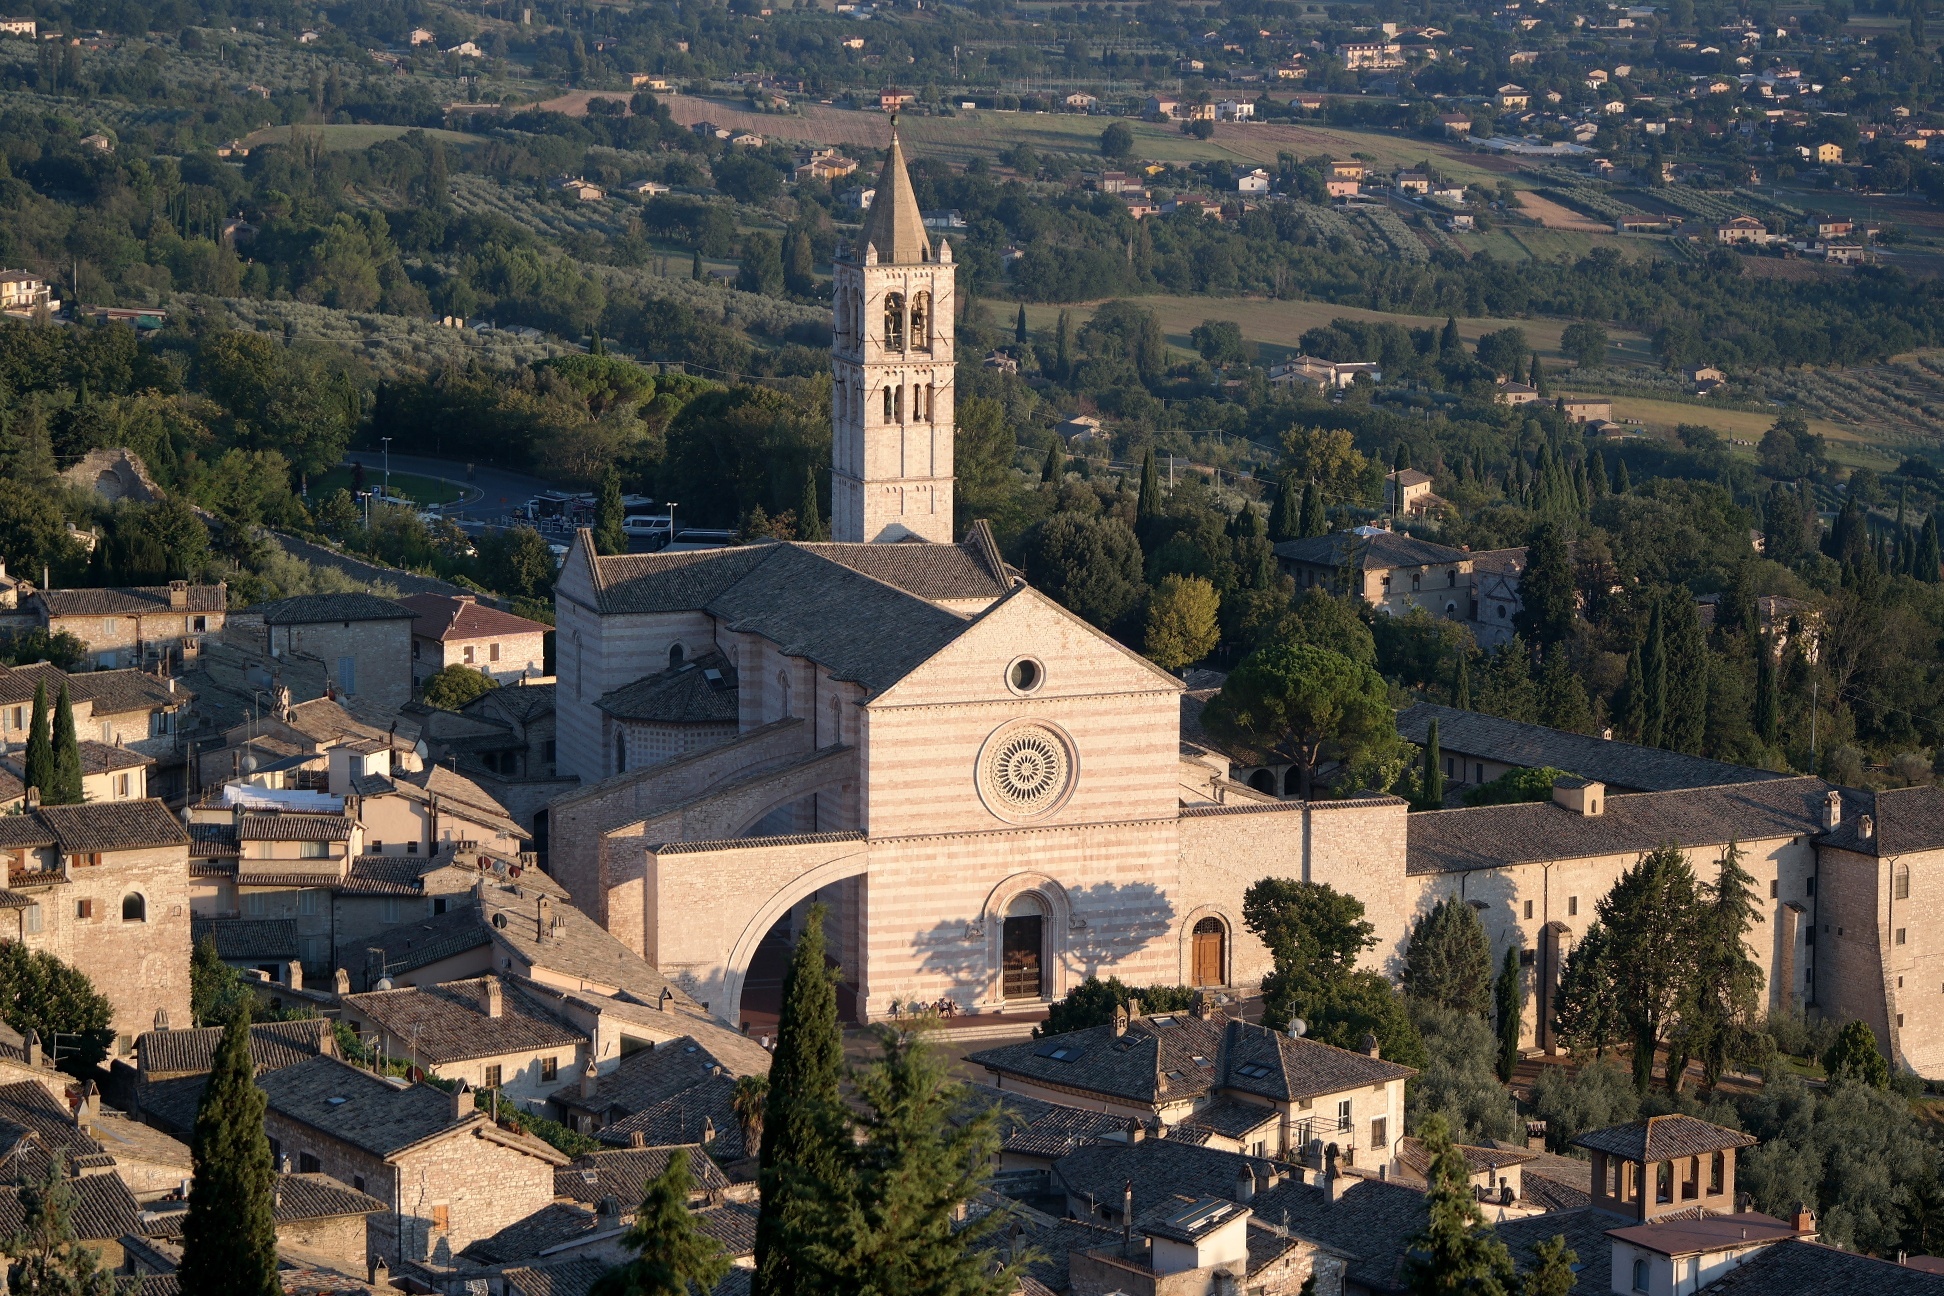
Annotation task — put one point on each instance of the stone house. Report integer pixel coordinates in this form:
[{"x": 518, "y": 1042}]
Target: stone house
[
  {"x": 288, "y": 745},
  {"x": 1190, "y": 1245},
  {"x": 117, "y": 708},
  {"x": 655, "y": 1093},
  {"x": 317, "y": 1219},
  {"x": 105, "y": 887},
  {"x": 135, "y": 626},
  {"x": 503, "y": 740},
  {"x": 446, "y": 1174},
  {"x": 108, "y": 773},
  {"x": 457, "y": 630},
  {"x": 1407, "y": 493},
  {"x": 364, "y": 641},
  {"x": 486, "y": 1031},
  {"x": 1392, "y": 572},
  {"x": 1232, "y": 1085},
  {"x": 164, "y": 1086}
]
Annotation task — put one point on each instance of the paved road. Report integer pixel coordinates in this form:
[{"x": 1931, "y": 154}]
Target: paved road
[{"x": 491, "y": 492}]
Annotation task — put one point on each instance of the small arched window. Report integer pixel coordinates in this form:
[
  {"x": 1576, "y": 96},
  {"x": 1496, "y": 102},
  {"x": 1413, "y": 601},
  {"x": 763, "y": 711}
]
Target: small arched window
[
  {"x": 894, "y": 322},
  {"x": 621, "y": 753},
  {"x": 134, "y": 908},
  {"x": 783, "y": 694},
  {"x": 888, "y": 398},
  {"x": 921, "y": 332},
  {"x": 1640, "y": 1275},
  {"x": 674, "y": 656},
  {"x": 1901, "y": 883}
]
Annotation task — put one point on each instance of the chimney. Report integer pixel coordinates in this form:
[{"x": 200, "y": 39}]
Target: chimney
[
  {"x": 379, "y": 1272},
  {"x": 1127, "y": 1218},
  {"x": 1370, "y": 1046},
  {"x": 341, "y": 982},
  {"x": 495, "y": 998},
  {"x": 590, "y": 1079},
  {"x": 543, "y": 910},
  {"x": 88, "y": 1110},
  {"x": 1199, "y": 1008},
  {"x": 462, "y": 1101},
  {"x": 1333, "y": 1184},
  {"x": 1802, "y": 1219},
  {"x": 1832, "y": 809},
  {"x": 294, "y": 974},
  {"x": 708, "y": 1130},
  {"x": 1865, "y": 827},
  {"x": 161, "y": 1019},
  {"x": 1536, "y": 1136},
  {"x": 32, "y": 1045},
  {"x": 609, "y": 1207},
  {"x": 178, "y": 596},
  {"x": 33, "y": 798},
  {"x": 1120, "y": 1021},
  {"x": 1135, "y": 1130},
  {"x": 1133, "y": 1009},
  {"x": 637, "y": 1139},
  {"x": 283, "y": 1165},
  {"x": 1245, "y": 1185}
]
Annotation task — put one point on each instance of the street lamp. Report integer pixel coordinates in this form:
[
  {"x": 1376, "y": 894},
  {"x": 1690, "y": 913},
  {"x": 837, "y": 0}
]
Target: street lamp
[
  {"x": 387, "y": 441},
  {"x": 671, "y": 522}
]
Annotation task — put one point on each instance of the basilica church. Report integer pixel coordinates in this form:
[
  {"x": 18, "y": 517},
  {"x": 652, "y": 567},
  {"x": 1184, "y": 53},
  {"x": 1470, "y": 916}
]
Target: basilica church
[{"x": 995, "y": 800}]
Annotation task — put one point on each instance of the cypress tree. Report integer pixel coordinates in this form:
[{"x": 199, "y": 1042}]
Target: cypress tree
[
  {"x": 1653, "y": 673},
  {"x": 1285, "y": 516},
  {"x": 1449, "y": 341},
  {"x": 1632, "y": 709},
  {"x": 1432, "y": 797},
  {"x": 1622, "y": 483},
  {"x": 67, "y": 755},
  {"x": 695, "y": 267},
  {"x": 1461, "y": 687},
  {"x": 801, "y": 1117},
  {"x": 1686, "y": 689},
  {"x": 40, "y": 745},
  {"x": 1063, "y": 347},
  {"x": 1019, "y": 326},
  {"x": 671, "y": 1253},
  {"x": 810, "y": 521},
  {"x": 229, "y": 1238},
  {"x": 1768, "y": 705},
  {"x": 1402, "y": 459},
  {"x": 1924, "y": 566},
  {"x": 1509, "y": 996},
  {"x": 1457, "y": 1252},
  {"x": 609, "y": 515},
  {"x": 1055, "y": 467},
  {"x": 1148, "y": 506},
  {"x": 1596, "y": 478},
  {"x": 1314, "y": 521}
]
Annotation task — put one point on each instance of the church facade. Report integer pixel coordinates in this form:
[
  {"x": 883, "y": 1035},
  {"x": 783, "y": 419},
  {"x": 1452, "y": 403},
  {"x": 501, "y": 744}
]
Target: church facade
[{"x": 993, "y": 798}]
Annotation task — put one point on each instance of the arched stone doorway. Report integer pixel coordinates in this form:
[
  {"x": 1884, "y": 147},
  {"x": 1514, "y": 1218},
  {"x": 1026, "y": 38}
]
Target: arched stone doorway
[
  {"x": 1023, "y": 949},
  {"x": 1208, "y": 959}
]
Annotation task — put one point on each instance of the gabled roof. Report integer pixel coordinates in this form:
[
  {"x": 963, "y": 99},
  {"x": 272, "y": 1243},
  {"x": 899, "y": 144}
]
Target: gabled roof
[
  {"x": 623, "y": 1173},
  {"x": 1158, "y": 1167},
  {"x": 358, "y": 1108},
  {"x": 701, "y": 690},
  {"x": 316, "y": 609},
  {"x": 1812, "y": 1269},
  {"x": 1372, "y": 1222},
  {"x": 1368, "y": 548},
  {"x": 532, "y": 1236},
  {"x": 299, "y": 1197},
  {"x": 1902, "y": 820},
  {"x": 1275, "y": 1065},
  {"x": 104, "y": 1209},
  {"x": 136, "y": 600},
  {"x": 451, "y": 1022},
  {"x": 894, "y": 225},
  {"x": 448, "y": 617},
  {"x": 1622, "y": 766},
  {"x": 247, "y": 938},
  {"x": 112, "y": 826},
  {"x": 35, "y": 1122},
  {"x": 273, "y": 1046},
  {"x": 1452, "y": 841},
  {"x": 1165, "y": 1057},
  {"x": 419, "y": 944},
  {"x": 703, "y": 1113},
  {"x": 1663, "y": 1138}
]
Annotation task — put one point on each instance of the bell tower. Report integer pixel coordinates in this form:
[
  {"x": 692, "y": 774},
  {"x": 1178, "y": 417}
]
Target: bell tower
[{"x": 892, "y": 363}]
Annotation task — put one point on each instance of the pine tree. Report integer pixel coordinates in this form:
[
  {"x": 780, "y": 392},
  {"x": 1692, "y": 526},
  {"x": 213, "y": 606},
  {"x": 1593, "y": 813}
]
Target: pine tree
[
  {"x": 1148, "y": 507},
  {"x": 229, "y": 1238},
  {"x": 801, "y": 1149},
  {"x": 1314, "y": 521},
  {"x": 1508, "y": 997},
  {"x": 67, "y": 755},
  {"x": 888, "y": 1222},
  {"x": 1457, "y": 1253},
  {"x": 1054, "y": 469},
  {"x": 1449, "y": 959},
  {"x": 40, "y": 745},
  {"x": 609, "y": 516},
  {"x": 47, "y": 1259},
  {"x": 1768, "y": 701},
  {"x": 1432, "y": 795},
  {"x": 1653, "y": 672},
  {"x": 1019, "y": 326},
  {"x": 1718, "y": 1017},
  {"x": 1553, "y": 1274},
  {"x": 1622, "y": 483},
  {"x": 1548, "y": 594},
  {"x": 671, "y": 1253},
  {"x": 1563, "y": 703},
  {"x": 810, "y": 520},
  {"x": 1596, "y": 478}
]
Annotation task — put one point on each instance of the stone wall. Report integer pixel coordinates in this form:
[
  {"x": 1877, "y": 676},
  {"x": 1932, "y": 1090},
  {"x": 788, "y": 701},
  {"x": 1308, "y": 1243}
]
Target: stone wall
[
  {"x": 380, "y": 650},
  {"x": 140, "y": 964}
]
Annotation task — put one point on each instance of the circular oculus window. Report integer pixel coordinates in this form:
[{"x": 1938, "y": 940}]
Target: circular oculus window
[
  {"x": 1026, "y": 770},
  {"x": 1025, "y": 675}
]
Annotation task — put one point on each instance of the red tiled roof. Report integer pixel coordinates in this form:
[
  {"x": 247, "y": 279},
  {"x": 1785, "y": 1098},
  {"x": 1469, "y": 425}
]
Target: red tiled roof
[{"x": 444, "y": 617}]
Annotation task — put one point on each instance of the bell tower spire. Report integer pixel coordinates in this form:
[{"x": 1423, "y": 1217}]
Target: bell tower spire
[{"x": 892, "y": 363}]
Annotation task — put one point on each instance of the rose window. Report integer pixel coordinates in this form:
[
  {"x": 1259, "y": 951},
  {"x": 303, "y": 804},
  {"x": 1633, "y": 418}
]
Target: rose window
[{"x": 1026, "y": 771}]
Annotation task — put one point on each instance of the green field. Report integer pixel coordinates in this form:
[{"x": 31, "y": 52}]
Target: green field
[
  {"x": 338, "y": 139},
  {"x": 422, "y": 490}
]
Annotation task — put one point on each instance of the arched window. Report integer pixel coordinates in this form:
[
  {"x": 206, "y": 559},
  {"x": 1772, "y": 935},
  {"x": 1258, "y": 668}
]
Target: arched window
[
  {"x": 782, "y": 694},
  {"x": 1263, "y": 781},
  {"x": 621, "y": 752},
  {"x": 674, "y": 656},
  {"x": 836, "y": 720},
  {"x": 1901, "y": 882},
  {"x": 134, "y": 908},
  {"x": 888, "y": 399},
  {"x": 921, "y": 333},
  {"x": 1292, "y": 782},
  {"x": 1640, "y": 1276},
  {"x": 894, "y": 322}
]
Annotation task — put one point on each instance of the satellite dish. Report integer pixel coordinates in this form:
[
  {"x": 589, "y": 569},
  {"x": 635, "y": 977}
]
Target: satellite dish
[
  {"x": 1298, "y": 1028},
  {"x": 249, "y": 763},
  {"x": 420, "y": 750},
  {"x": 384, "y": 983}
]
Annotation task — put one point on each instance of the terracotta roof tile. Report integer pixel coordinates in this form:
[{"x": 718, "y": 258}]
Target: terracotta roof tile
[
  {"x": 137, "y": 600},
  {"x": 273, "y": 1046},
  {"x": 104, "y": 1209},
  {"x": 623, "y": 1173},
  {"x": 247, "y": 938},
  {"x": 1663, "y": 1138},
  {"x": 1622, "y": 766},
  {"x": 1811, "y": 1269},
  {"x": 445, "y": 617},
  {"x": 450, "y": 1022},
  {"x": 112, "y": 826},
  {"x": 315, "y": 609}
]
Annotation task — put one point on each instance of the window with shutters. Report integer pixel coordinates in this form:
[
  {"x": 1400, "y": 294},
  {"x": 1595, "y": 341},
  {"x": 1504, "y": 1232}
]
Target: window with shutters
[
  {"x": 549, "y": 1069},
  {"x": 308, "y": 1164},
  {"x": 493, "y": 1076},
  {"x": 442, "y": 1218},
  {"x": 84, "y": 909}
]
